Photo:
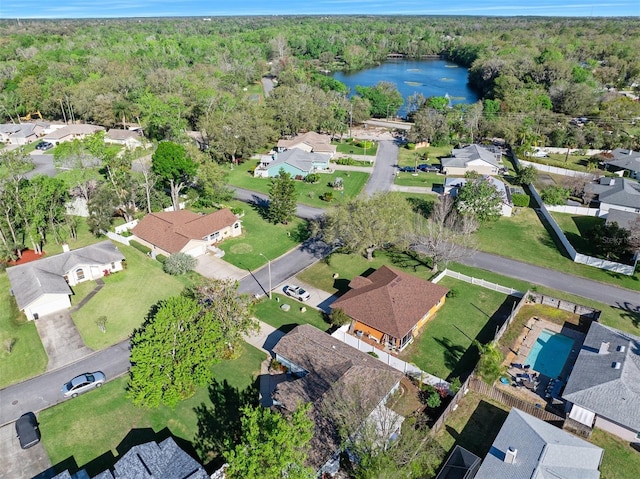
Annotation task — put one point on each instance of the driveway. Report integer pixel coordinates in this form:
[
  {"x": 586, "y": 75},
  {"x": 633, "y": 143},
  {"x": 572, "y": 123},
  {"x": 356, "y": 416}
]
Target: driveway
[
  {"x": 211, "y": 266},
  {"x": 384, "y": 172},
  {"x": 18, "y": 463},
  {"x": 319, "y": 299},
  {"x": 43, "y": 165},
  {"x": 61, "y": 339}
]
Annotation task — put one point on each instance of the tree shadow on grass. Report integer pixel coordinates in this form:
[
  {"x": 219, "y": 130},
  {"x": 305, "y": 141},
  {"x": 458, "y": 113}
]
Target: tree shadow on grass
[
  {"x": 630, "y": 311},
  {"x": 480, "y": 430},
  {"x": 220, "y": 421},
  {"x": 453, "y": 353},
  {"x": 422, "y": 206},
  {"x": 411, "y": 260}
]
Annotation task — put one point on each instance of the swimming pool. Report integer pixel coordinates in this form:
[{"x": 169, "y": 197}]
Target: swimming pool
[{"x": 550, "y": 352}]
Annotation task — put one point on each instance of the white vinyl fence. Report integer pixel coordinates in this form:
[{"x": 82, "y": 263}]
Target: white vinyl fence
[
  {"x": 390, "y": 360},
  {"x": 577, "y": 210},
  {"x": 478, "y": 282},
  {"x": 557, "y": 170}
]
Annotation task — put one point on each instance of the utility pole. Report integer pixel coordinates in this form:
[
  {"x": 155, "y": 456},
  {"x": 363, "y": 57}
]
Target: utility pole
[{"x": 269, "y": 266}]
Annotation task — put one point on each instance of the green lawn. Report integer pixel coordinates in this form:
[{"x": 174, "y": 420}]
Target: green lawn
[
  {"x": 88, "y": 429},
  {"x": 22, "y": 336},
  {"x": 577, "y": 229},
  {"x": 407, "y": 157},
  {"x": 125, "y": 299},
  {"x": 269, "y": 311},
  {"x": 84, "y": 238},
  {"x": 523, "y": 237},
  {"x": 560, "y": 160},
  {"x": 443, "y": 347},
  {"x": 425, "y": 180},
  {"x": 620, "y": 460},
  {"x": 260, "y": 236},
  {"x": 306, "y": 193},
  {"x": 349, "y": 148}
]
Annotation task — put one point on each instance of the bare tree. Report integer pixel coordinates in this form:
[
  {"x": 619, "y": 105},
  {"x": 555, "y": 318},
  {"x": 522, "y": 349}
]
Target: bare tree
[{"x": 445, "y": 236}]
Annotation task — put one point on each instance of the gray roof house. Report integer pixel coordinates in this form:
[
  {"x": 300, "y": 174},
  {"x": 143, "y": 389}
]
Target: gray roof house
[
  {"x": 295, "y": 161},
  {"x": 322, "y": 368},
  {"x": 42, "y": 287},
  {"x": 472, "y": 158},
  {"x": 626, "y": 160},
  {"x": 529, "y": 448},
  {"x": 605, "y": 382},
  {"x": 164, "y": 460},
  {"x": 619, "y": 193},
  {"x": 18, "y": 133},
  {"x": 452, "y": 185}
]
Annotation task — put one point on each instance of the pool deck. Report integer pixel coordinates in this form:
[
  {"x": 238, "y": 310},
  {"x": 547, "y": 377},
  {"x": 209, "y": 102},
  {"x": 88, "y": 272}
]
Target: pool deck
[{"x": 535, "y": 391}]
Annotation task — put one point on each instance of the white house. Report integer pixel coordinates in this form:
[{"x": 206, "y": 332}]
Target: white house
[
  {"x": 452, "y": 185},
  {"x": 472, "y": 158}
]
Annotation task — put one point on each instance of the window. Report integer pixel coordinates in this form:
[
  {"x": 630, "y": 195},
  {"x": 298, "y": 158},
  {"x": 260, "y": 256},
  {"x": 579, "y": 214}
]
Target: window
[
  {"x": 236, "y": 225},
  {"x": 80, "y": 274}
]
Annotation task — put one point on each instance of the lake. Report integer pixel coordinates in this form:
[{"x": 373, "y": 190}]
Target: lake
[{"x": 429, "y": 77}]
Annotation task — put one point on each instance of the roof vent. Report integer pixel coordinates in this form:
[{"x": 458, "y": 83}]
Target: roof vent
[
  {"x": 622, "y": 349},
  {"x": 510, "y": 455},
  {"x": 616, "y": 365},
  {"x": 604, "y": 347}
]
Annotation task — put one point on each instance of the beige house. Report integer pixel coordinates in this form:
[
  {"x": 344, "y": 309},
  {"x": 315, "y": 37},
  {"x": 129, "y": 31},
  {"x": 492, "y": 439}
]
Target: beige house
[
  {"x": 472, "y": 158},
  {"x": 131, "y": 139},
  {"x": 311, "y": 142},
  {"x": 170, "y": 232},
  {"x": 71, "y": 132}
]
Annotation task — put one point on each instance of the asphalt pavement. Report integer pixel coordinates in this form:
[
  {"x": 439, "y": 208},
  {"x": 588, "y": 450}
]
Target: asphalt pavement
[{"x": 384, "y": 169}]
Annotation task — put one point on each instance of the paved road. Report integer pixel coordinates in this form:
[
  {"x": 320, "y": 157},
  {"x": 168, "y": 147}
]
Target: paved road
[
  {"x": 43, "y": 165},
  {"x": 384, "y": 171},
  {"x": 262, "y": 200},
  {"x": 605, "y": 293}
]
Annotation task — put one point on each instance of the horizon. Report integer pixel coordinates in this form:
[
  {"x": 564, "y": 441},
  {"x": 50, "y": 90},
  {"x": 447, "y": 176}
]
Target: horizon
[{"x": 124, "y": 9}]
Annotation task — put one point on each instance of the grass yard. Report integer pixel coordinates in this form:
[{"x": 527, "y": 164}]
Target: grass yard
[
  {"x": 306, "y": 193},
  {"x": 260, "y": 236},
  {"x": 577, "y": 229},
  {"x": 620, "y": 460},
  {"x": 611, "y": 316},
  {"x": 524, "y": 237},
  {"x": 125, "y": 299},
  {"x": 270, "y": 312},
  {"x": 474, "y": 425},
  {"x": 84, "y": 238},
  {"x": 19, "y": 341},
  {"x": 560, "y": 160},
  {"x": 407, "y": 157},
  {"x": 87, "y": 431},
  {"x": 425, "y": 180},
  {"x": 351, "y": 148},
  {"x": 444, "y": 346}
]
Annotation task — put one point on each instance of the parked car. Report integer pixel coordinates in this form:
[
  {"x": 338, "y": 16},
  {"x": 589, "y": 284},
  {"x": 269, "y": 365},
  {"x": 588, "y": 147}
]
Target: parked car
[
  {"x": 27, "y": 430},
  {"x": 407, "y": 169},
  {"x": 44, "y": 145},
  {"x": 296, "y": 292},
  {"x": 427, "y": 168},
  {"x": 83, "y": 383}
]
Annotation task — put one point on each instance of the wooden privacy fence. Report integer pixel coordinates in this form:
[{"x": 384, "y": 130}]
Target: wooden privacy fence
[
  {"x": 504, "y": 397},
  {"x": 453, "y": 405}
]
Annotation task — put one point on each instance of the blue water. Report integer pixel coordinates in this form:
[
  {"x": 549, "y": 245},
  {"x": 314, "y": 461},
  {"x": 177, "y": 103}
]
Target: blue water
[
  {"x": 550, "y": 352},
  {"x": 429, "y": 77}
]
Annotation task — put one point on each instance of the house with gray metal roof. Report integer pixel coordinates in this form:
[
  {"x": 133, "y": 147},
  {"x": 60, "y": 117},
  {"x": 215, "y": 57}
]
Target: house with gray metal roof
[
  {"x": 472, "y": 158},
  {"x": 43, "y": 286},
  {"x": 529, "y": 448},
  {"x": 163, "y": 460},
  {"x": 604, "y": 386},
  {"x": 618, "y": 193},
  {"x": 19, "y": 133}
]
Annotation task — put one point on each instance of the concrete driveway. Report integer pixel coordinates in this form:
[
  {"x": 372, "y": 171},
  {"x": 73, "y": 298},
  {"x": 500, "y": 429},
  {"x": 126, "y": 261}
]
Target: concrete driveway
[
  {"x": 18, "y": 463},
  {"x": 213, "y": 267},
  {"x": 61, "y": 339},
  {"x": 319, "y": 299}
]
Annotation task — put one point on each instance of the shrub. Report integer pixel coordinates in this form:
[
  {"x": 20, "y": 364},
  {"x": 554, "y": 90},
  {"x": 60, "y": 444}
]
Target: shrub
[
  {"x": 365, "y": 144},
  {"x": 346, "y": 161},
  {"x": 179, "y": 263},
  {"x": 328, "y": 196},
  {"x": 312, "y": 178},
  {"x": 237, "y": 210},
  {"x": 161, "y": 258},
  {"x": 452, "y": 293},
  {"x": 520, "y": 199},
  {"x": 410, "y": 146},
  {"x": 434, "y": 400},
  {"x": 373, "y": 354},
  {"x": 339, "y": 318},
  {"x": 140, "y": 247},
  {"x": 454, "y": 386},
  {"x": 490, "y": 365},
  {"x": 555, "y": 195}
]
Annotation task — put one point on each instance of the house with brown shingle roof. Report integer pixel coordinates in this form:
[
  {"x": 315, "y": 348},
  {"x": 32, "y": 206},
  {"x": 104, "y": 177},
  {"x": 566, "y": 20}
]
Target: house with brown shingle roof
[
  {"x": 324, "y": 371},
  {"x": 170, "y": 232},
  {"x": 311, "y": 142},
  {"x": 390, "y": 306}
]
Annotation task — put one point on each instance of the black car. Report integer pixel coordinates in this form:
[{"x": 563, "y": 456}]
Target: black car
[
  {"x": 427, "y": 168},
  {"x": 44, "y": 145},
  {"x": 408, "y": 169},
  {"x": 27, "y": 430}
]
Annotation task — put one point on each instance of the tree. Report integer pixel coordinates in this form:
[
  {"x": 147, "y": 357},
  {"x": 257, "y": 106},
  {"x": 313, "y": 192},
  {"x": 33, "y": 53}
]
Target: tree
[
  {"x": 272, "y": 446},
  {"x": 555, "y": 195},
  {"x": 364, "y": 225},
  {"x": 179, "y": 263},
  {"x": 526, "y": 175},
  {"x": 232, "y": 311},
  {"x": 174, "y": 168},
  {"x": 611, "y": 241},
  {"x": 211, "y": 185},
  {"x": 173, "y": 353},
  {"x": 480, "y": 199},
  {"x": 102, "y": 207},
  {"x": 445, "y": 236},
  {"x": 384, "y": 97},
  {"x": 490, "y": 366},
  {"x": 282, "y": 198}
]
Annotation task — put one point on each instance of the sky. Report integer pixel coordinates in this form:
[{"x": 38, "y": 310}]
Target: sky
[{"x": 25, "y": 9}]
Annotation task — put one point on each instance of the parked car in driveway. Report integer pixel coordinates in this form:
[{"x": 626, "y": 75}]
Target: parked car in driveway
[
  {"x": 407, "y": 169},
  {"x": 296, "y": 292},
  {"x": 83, "y": 383},
  {"x": 427, "y": 168},
  {"x": 27, "y": 430},
  {"x": 44, "y": 145}
]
